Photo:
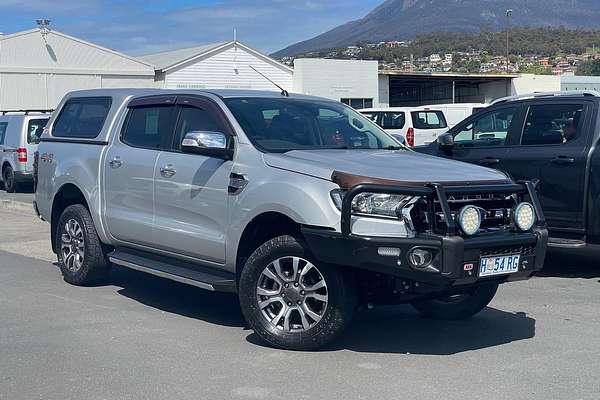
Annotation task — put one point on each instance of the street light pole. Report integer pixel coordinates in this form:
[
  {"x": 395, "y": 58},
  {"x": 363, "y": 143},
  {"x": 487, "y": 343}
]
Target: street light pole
[{"x": 508, "y": 15}]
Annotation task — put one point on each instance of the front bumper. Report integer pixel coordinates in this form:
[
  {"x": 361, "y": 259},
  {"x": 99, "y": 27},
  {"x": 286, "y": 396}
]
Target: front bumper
[{"x": 456, "y": 258}]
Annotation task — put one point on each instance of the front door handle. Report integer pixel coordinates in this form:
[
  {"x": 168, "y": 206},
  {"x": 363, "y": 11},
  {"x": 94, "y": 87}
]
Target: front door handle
[
  {"x": 563, "y": 160},
  {"x": 115, "y": 162},
  {"x": 167, "y": 171},
  {"x": 489, "y": 161}
]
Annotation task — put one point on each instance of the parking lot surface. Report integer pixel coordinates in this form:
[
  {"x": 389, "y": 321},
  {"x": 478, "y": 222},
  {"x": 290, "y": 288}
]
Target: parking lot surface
[{"x": 142, "y": 337}]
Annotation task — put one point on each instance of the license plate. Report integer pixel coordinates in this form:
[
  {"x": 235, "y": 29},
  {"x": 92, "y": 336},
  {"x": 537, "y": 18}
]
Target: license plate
[{"x": 501, "y": 265}]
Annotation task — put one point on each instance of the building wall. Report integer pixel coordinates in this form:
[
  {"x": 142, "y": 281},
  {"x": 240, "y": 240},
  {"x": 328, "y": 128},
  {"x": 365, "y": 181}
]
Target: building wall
[
  {"x": 580, "y": 83},
  {"x": 229, "y": 69},
  {"x": 37, "y": 71},
  {"x": 384, "y": 91},
  {"x": 529, "y": 83},
  {"x": 494, "y": 90},
  {"x": 338, "y": 79}
]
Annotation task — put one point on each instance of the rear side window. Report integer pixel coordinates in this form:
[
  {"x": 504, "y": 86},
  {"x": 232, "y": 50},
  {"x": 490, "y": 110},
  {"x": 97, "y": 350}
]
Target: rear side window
[
  {"x": 428, "y": 120},
  {"x": 393, "y": 120},
  {"x": 552, "y": 124},
  {"x": 3, "y": 126},
  {"x": 150, "y": 127},
  {"x": 82, "y": 117},
  {"x": 35, "y": 127}
]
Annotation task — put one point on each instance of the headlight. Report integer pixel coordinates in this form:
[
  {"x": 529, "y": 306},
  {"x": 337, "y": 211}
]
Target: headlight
[
  {"x": 524, "y": 216},
  {"x": 387, "y": 205},
  {"x": 469, "y": 220}
]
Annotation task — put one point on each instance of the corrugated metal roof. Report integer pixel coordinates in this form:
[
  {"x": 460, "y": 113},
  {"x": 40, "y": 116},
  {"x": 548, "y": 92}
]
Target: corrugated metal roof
[{"x": 168, "y": 59}]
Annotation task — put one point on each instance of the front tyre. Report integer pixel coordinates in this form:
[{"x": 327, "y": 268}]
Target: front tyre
[
  {"x": 292, "y": 302},
  {"x": 457, "y": 306},
  {"x": 80, "y": 255}
]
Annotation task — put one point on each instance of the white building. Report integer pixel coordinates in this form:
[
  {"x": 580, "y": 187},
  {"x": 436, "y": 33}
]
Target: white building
[
  {"x": 350, "y": 81},
  {"x": 37, "y": 67},
  {"x": 226, "y": 65}
]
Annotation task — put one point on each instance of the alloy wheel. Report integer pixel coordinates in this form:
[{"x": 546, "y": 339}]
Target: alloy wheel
[
  {"x": 292, "y": 294},
  {"x": 72, "y": 246}
]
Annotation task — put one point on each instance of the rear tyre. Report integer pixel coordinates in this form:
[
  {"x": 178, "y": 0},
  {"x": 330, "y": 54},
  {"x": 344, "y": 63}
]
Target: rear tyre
[
  {"x": 460, "y": 306},
  {"x": 8, "y": 176},
  {"x": 291, "y": 301},
  {"x": 80, "y": 254}
]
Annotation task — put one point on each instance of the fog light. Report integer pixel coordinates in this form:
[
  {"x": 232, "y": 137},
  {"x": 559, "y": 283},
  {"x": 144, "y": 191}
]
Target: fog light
[
  {"x": 420, "y": 258},
  {"x": 469, "y": 220},
  {"x": 524, "y": 216}
]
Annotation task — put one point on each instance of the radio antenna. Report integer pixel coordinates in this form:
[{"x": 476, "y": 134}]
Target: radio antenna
[{"x": 283, "y": 91}]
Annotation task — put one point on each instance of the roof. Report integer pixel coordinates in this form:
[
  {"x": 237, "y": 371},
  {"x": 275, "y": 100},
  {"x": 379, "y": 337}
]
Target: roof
[
  {"x": 167, "y": 59},
  {"x": 223, "y": 93},
  {"x": 75, "y": 39}
]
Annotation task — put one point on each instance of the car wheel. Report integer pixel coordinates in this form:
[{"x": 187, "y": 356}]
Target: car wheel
[
  {"x": 81, "y": 257},
  {"x": 457, "y": 306},
  {"x": 292, "y": 302},
  {"x": 8, "y": 176}
]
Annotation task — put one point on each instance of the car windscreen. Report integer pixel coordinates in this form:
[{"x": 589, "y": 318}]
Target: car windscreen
[
  {"x": 35, "y": 127},
  {"x": 284, "y": 124},
  {"x": 428, "y": 120}
]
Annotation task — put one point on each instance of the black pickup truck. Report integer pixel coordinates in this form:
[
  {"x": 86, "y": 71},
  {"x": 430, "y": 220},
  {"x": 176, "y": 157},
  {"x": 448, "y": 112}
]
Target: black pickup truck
[{"x": 548, "y": 137}]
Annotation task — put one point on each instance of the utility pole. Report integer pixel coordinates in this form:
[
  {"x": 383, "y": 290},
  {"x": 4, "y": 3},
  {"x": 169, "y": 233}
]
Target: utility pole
[{"x": 508, "y": 15}]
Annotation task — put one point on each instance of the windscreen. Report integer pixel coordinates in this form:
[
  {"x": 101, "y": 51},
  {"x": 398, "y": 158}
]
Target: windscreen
[
  {"x": 428, "y": 120},
  {"x": 280, "y": 125}
]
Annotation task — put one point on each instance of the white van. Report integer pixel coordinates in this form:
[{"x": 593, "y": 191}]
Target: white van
[
  {"x": 20, "y": 133},
  {"x": 457, "y": 112},
  {"x": 415, "y": 125}
]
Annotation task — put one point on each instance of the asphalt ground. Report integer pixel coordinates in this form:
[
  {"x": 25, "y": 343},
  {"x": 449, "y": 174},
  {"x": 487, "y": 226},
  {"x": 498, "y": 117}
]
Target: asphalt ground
[{"x": 142, "y": 337}]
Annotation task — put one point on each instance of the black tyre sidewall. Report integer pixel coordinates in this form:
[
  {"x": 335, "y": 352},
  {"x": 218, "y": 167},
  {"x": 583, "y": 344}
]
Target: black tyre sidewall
[
  {"x": 12, "y": 187},
  {"x": 341, "y": 301},
  {"x": 95, "y": 266},
  {"x": 461, "y": 309}
]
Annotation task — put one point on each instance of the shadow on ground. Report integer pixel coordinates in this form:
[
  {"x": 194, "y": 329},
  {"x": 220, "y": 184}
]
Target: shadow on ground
[
  {"x": 578, "y": 263},
  {"x": 397, "y": 329}
]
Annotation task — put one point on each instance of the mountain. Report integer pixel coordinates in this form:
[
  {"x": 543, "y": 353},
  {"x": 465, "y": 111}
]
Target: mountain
[{"x": 404, "y": 19}]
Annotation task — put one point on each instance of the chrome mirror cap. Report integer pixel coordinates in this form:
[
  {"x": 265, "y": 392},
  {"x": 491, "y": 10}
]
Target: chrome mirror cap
[{"x": 205, "y": 140}]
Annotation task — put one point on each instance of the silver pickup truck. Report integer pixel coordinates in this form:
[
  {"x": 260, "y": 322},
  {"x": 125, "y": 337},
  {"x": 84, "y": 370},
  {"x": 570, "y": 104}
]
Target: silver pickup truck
[{"x": 299, "y": 204}]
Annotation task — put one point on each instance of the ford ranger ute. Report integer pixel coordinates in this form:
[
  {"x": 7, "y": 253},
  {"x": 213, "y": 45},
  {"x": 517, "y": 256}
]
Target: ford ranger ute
[{"x": 299, "y": 204}]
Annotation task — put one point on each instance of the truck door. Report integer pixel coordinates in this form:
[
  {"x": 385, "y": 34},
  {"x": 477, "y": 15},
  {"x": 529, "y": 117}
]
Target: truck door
[
  {"x": 552, "y": 146},
  {"x": 482, "y": 139},
  {"x": 129, "y": 168},
  {"x": 190, "y": 190}
]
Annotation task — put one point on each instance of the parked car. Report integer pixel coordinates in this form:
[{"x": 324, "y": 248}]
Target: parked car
[
  {"x": 299, "y": 204},
  {"x": 413, "y": 126},
  {"x": 457, "y": 112},
  {"x": 19, "y": 136},
  {"x": 548, "y": 137}
]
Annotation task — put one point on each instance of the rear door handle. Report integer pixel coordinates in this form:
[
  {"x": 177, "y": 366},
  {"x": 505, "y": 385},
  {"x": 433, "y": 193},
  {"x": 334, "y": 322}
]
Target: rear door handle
[
  {"x": 167, "y": 171},
  {"x": 115, "y": 162},
  {"x": 489, "y": 161},
  {"x": 563, "y": 160}
]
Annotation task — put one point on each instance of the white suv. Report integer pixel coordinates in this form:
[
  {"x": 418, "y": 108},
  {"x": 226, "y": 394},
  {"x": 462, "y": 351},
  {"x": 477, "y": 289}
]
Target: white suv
[{"x": 416, "y": 126}]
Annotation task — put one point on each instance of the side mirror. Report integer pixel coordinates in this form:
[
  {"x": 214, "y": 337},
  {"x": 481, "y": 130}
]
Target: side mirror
[
  {"x": 446, "y": 141},
  {"x": 211, "y": 144}
]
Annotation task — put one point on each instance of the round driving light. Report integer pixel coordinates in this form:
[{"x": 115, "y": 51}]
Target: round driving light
[
  {"x": 469, "y": 220},
  {"x": 524, "y": 216},
  {"x": 420, "y": 258}
]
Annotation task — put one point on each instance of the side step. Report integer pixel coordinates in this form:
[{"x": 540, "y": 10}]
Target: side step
[
  {"x": 176, "y": 270},
  {"x": 566, "y": 243}
]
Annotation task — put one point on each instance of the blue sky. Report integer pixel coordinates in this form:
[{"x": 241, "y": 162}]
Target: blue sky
[{"x": 140, "y": 27}]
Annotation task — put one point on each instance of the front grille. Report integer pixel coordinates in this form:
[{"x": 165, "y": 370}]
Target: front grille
[
  {"x": 524, "y": 250},
  {"x": 496, "y": 210}
]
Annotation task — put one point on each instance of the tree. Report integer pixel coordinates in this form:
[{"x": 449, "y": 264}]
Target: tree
[
  {"x": 590, "y": 68},
  {"x": 536, "y": 69}
]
